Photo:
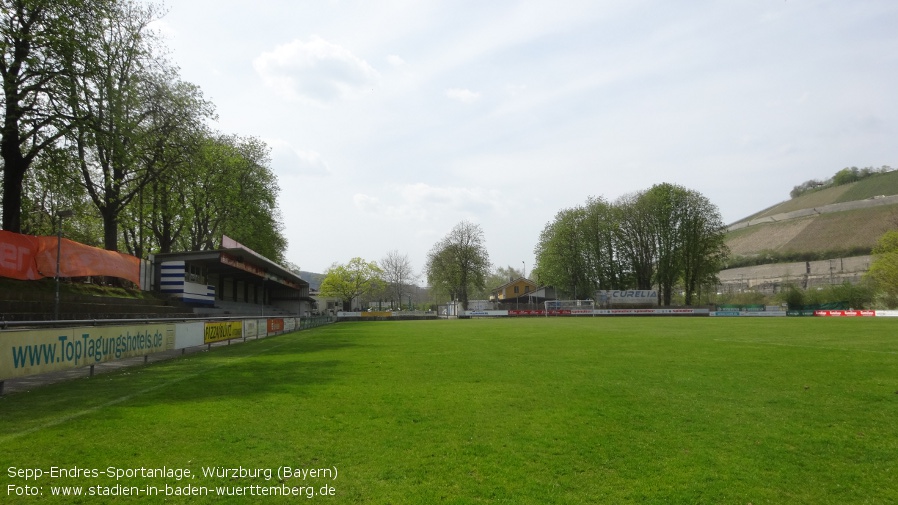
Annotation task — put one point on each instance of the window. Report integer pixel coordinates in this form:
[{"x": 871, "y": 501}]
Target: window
[{"x": 516, "y": 289}]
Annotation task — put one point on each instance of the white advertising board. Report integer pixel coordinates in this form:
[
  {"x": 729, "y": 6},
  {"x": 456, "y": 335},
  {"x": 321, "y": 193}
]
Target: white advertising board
[
  {"x": 489, "y": 313},
  {"x": 189, "y": 334},
  {"x": 628, "y": 296}
]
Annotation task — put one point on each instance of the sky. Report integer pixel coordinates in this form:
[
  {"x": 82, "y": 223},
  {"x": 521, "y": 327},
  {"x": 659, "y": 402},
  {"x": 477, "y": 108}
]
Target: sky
[{"x": 390, "y": 122}]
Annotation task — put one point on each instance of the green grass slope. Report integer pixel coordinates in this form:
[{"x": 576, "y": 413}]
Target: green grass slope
[
  {"x": 876, "y": 185},
  {"x": 525, "y": 411}
]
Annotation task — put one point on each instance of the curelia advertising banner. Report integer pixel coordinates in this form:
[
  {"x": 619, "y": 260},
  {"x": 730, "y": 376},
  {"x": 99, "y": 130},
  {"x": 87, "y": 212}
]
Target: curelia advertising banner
[{"x": 628, "y": 296}]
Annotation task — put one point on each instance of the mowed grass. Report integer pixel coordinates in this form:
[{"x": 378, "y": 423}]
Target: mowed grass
[{"x": 543, "y": 410}]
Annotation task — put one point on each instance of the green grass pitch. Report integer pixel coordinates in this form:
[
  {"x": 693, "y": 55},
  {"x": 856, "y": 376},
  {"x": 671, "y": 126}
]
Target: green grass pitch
[{"x": 516, "y": 411}]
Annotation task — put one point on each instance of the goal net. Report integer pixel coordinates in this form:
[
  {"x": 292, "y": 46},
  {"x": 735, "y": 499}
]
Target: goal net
[{"x": 570, "y": 307}]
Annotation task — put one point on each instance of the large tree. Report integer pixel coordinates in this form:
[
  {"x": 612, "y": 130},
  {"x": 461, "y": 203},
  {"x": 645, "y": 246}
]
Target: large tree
[
  {"x": 667, "y": 207},
  {"x": 458, "y": 264},
  {"x": 597, "y": 229},
  {"x": 704, "y": 250},
  {"x": 173, "y": 133},
  {"x": 398, "y": 274},
  {"x": 230, "y": 189},
  {"x": 689, "y": 239},
  {"x": 43, "y": 45},
  {"x": 351, "y": 281},
  {"x": 561, "y": 257},
  {"x": 666, "y": 236},
  {"x": 635, "y": 238},
  {"x": 133, "y": 111}
]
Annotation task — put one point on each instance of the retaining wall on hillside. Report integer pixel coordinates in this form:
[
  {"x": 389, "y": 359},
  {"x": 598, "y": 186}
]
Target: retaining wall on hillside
[
  {"x": 772, "y": 278},
  {"x": 824, "y": 209}
]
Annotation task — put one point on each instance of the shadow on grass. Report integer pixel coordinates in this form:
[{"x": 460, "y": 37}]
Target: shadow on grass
[{"x": 279, "y": 365}]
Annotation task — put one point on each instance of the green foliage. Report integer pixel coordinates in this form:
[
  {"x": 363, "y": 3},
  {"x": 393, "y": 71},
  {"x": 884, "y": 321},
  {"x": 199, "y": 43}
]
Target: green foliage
[
  {"x": 845, "y": 176},
  {"x": 459, "y": 264},
  {"x": 854, "y": 296},
  {"x": 793, "y": 297},
  {"x": 665, "y": 236},
  {"x": 45, "y": 46},
  {"x": 560, "y": 256},
  {"x": 106, "y": 127},
  {"x": 496, "y": 278},
  {"x": 883, "y": 271},
  {"x": 352, "y": 280},
  {"x": 769, "y": 257}
]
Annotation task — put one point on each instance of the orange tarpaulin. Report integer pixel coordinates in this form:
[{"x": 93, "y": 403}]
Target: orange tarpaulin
[{"x": 27, "y": 257}]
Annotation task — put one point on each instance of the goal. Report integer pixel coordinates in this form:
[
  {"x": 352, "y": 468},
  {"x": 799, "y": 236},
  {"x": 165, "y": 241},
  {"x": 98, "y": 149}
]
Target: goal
[{"x": 570, "y": 308}]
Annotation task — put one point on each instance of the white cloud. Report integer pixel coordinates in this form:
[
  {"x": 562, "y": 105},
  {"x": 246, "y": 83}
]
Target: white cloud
[
  {"x": 315, "y": 70},
  {"x": 462, "y": 95},
  {"x": 423, "y": 202},
  {"x": 289, "y": 161},
  {"x": 395, "y": 60}
]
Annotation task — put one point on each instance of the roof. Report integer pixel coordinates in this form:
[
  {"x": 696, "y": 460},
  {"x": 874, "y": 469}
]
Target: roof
[
  {"x": 239, "y": 263},
  {"x": 515, "y": 281}
]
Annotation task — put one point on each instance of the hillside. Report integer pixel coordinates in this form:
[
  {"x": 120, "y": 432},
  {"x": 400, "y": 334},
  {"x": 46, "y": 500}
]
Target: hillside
[
  {"x": 314, "y": 279},
  {"x": 874, "y": 186},
  {"x": 834, "y": 222}
]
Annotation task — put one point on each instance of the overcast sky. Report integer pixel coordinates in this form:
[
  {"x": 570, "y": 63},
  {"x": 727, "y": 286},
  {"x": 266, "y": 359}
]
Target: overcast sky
[{"x": 392, "y": 121}]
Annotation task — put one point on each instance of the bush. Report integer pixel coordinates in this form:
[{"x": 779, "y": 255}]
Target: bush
[{"x": 793, "y": 297}]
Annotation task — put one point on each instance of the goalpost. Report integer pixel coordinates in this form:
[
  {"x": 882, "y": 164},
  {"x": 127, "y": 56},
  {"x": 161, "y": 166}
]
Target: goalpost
[{"x": 570, "y": 307}]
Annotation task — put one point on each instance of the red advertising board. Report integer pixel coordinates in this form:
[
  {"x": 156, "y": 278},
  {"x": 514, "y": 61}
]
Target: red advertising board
[
  {"x": 533, "y": 312},
  {"x": 845, "y": 313},
  {"x": 275, "y": 326}
]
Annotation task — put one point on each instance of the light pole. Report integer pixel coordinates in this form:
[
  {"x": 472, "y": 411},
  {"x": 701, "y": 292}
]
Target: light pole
[{"x": 61, "y": 214}]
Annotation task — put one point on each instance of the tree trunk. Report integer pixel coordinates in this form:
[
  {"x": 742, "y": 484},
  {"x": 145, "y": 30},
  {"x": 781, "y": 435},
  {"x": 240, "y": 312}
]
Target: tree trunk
[
  {"x": 110, "y": 230},
  {"x": 14, "y": 168}
]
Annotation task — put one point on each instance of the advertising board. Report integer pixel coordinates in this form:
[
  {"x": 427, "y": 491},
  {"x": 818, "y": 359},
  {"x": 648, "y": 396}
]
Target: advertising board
[
  {"x": 489, "y": 313},
  {"x": 845, "y": 313},
  {"x": 30, "y": 352},
  {"x": 222, "y": 330},
  {"x": 628, "y": 296},
  {"x": 275, "y": 325}
]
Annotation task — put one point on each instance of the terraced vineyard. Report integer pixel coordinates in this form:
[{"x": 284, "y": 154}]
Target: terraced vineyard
[{"x": 831, "y": 234}]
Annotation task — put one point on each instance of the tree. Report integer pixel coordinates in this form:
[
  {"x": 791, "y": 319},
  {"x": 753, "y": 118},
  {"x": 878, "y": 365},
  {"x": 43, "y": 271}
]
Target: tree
[
  {"x": 229, "y": 189},
  {"x": 704, "y": 250},
  {"x": 666, "y": 236},
  {"x": 173, "y": 132},
  {"x": 884, "y": 268},
  {"x": 496, "y": 278},
  {"x": 597, "y": 230},
  {"x": 560, "y": 258},
  {"x": 398, "y": 275},
  {"x": 667, "y": 207},
  {"x": 459, "y": 263},
  {"x": 636, "y": 242},
  {"x": 43, "y": 43},
  {"x": 131, "y": 105},
  {"x": 351, "y": 281}
]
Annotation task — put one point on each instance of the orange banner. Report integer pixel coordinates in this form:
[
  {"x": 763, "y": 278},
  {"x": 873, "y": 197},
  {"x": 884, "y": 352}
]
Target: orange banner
[{"x": 26, "y": 257}]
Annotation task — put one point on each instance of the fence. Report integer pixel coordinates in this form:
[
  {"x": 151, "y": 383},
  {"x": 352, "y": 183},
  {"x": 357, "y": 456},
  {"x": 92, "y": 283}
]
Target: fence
[{"x": 36, "y": 348}]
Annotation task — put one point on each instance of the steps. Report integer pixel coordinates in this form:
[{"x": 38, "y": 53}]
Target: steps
[{"x": 21, "y": 301}]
